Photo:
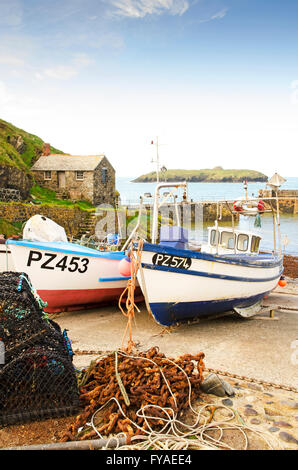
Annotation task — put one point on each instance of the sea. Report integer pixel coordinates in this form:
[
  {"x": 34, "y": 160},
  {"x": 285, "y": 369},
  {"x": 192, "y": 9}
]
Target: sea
[{"x": 130, "y": 194}]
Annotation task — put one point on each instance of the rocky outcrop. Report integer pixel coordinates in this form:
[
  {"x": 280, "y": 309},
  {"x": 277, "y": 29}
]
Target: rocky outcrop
[
  {"x": 14, "y": 178},
  {"x": 18, "y": 151},
  {"x": 18, "y": 143}
]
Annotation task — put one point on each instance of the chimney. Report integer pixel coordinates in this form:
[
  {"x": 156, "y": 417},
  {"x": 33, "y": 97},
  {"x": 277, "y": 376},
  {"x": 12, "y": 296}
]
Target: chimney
[{"x": 46, "y": 149}]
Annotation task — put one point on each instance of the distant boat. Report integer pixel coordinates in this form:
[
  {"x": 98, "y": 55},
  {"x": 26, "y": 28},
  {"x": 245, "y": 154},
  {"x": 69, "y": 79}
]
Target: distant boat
[{"x": 226, "y": 274}]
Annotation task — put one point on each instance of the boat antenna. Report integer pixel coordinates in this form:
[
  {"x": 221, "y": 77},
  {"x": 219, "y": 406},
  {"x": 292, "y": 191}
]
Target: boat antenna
[{"x": 157, "y": 159}]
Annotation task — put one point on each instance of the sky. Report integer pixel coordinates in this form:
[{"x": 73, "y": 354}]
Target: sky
[{"x": 215, "y": 81}]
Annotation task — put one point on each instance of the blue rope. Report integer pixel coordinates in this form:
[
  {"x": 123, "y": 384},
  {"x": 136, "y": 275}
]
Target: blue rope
[
  {"x": 40, "y": 302},
  {"x": 68, "y": 343}
]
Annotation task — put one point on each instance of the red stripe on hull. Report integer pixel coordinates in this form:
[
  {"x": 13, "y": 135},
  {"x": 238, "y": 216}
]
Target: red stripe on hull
[{"x": 67, "y": 300}]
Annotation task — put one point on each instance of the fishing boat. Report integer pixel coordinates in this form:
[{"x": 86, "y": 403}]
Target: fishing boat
[
  {"x": 66, "y": 275},
  {"x": 182, "y": 283}
]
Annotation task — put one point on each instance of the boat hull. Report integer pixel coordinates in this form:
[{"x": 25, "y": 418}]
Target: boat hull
[
  {"x": 69, "y": 276},
  {"x": 181, "y": 285}
]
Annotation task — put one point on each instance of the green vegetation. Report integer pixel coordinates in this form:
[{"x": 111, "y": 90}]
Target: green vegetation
[
  {"x": 217, "y": 174},
  {"x": 19, "y": 148},
  {"x": 48, "y": 196},
  {"x": 10, "y": 228}
]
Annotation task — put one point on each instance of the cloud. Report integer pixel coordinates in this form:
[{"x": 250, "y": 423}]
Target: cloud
[
  {"x": 66, "y": 71},
  {"x": 61, "y": 72},
  {"x": 7, "y": 59},
  {"x": 219, "y": 15},
  {"x": 141, "y": 8},
  {"x": 82, "y": 60}
]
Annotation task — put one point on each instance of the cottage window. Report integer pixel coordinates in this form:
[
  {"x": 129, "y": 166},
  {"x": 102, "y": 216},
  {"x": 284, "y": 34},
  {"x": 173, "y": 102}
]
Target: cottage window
[
  {"x": 47, "y": 175},
  {"x": 104, "y": 173},
  {"x": 79, "y": 175}
]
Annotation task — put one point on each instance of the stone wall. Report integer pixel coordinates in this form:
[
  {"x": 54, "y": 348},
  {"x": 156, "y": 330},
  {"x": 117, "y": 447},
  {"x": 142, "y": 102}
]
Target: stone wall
[
  {"x": 104, "y": 192},
  {"x": 13, "y": 178},
  {"x": 74, "y": 189},
  {"x": 282, "y": 193},
  {"x": 7, "y": 195},
  {"x": 288, "y": 200},
  {"x": 71, "y": 219}
]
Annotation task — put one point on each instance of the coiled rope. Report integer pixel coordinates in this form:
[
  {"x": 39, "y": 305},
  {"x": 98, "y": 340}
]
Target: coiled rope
[
  {"x": 130, "y": 290},
  {"x": 177, "y": 435}
]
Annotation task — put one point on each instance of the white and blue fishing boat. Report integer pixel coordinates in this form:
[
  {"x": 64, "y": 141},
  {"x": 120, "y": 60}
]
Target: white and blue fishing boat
[{"x": 182, "y": 283}]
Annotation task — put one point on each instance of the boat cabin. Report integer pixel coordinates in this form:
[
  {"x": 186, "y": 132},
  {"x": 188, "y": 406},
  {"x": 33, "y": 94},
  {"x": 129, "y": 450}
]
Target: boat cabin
[
  {"x": 225, "y": 240},
  {"x": 220, "y": 240}
]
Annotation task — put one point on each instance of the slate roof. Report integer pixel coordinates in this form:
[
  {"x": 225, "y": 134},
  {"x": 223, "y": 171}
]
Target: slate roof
[{"x": 67, "y": 162}]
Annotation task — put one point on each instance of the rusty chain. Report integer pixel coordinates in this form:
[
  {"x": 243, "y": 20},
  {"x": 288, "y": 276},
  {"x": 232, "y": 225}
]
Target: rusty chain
[
  {"x": 252, "y": 380},
  {"x": 208, "y": 369},
  {"x": 150, "y": 380}
]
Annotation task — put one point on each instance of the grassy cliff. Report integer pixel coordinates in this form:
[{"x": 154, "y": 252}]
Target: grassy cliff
[
  {"x": 18, "y": 152},
  {"x": 217, "y": 174},
  {"x": 18, "y": 148}
]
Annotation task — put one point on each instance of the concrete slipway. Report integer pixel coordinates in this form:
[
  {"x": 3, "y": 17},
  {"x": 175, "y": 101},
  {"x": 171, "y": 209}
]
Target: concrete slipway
[{"x": 260, "y": 347}]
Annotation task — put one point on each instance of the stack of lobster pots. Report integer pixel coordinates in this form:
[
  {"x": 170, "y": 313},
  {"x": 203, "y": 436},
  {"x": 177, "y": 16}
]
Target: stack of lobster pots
[{"x": 37, "y": 377}]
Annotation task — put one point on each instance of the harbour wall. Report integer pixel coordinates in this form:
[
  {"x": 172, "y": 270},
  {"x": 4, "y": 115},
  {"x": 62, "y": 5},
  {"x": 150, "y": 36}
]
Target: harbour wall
[
  {"x": 288, "y": 199},
  {"x": 71, "y": 219},
  {"x": 78, "y": 222}
]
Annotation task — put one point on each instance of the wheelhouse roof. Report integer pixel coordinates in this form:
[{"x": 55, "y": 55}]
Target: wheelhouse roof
[{"x": 230, "y": 229}]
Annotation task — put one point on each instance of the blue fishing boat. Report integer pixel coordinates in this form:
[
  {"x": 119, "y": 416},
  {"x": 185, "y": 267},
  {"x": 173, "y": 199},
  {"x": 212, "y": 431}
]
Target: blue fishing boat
[{"x": 229, "y": 273}]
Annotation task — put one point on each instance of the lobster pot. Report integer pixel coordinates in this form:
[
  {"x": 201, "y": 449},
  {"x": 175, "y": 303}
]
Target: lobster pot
[
  {"x": 38, "y": 384},
  {"x": 37, "y": 377}
]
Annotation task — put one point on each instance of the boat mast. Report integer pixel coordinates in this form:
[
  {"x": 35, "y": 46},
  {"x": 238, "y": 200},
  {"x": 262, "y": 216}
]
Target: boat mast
[
  {"x": 275, "y": 183},
  {"x": 278, "y": 223},
  {"x": 156, "y": 161}
]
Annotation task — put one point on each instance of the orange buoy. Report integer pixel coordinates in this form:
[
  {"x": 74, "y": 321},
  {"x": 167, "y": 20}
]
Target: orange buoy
[
  {"x": 125, "y": 267},
  {"x": 282, "y": 282}
]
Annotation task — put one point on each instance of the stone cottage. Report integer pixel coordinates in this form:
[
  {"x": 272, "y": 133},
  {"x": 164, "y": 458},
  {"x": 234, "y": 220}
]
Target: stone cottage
[{"x": 77, "y": 177}]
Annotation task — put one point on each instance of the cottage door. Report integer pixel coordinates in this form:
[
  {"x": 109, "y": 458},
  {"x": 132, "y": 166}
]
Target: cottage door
[{"x": 61, "y": 179}]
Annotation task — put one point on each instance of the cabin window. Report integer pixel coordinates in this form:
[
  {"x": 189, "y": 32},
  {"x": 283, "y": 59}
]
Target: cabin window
[
  {"x": 227, "y": 240},
  {"x": 104, "y": 173},
  {"x": 47, "y": 175},
  {"x": 79, "y": 175},
  {"x": 255, "y": 243},
  {"x": 242, "y": 244},
  {"x": 213, "y": 237}
]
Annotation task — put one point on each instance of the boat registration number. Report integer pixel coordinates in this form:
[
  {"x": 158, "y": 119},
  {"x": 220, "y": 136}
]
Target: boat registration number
[
  {"x": 171, "y": 261},
  {"x": 52, "y": 261}
]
